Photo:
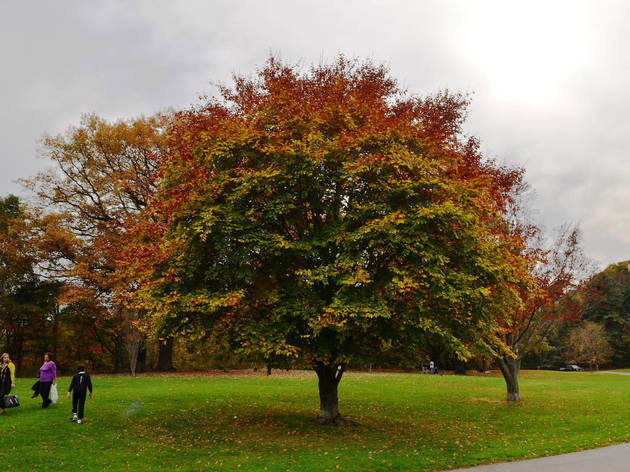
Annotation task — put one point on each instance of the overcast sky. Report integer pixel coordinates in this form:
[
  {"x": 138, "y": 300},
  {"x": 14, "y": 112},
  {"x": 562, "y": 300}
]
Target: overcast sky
[{"x": 551, "y": 80}]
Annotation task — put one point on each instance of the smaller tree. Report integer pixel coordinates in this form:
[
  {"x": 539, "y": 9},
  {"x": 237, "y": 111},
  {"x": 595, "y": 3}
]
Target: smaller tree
[
  {"x": 103, "y": 176},
  {"x": 587, "y": 344},
  {"x": 556, "y": 271}
]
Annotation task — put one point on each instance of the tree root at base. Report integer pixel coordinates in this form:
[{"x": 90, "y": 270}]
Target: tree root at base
[{"x": 337, "y": 421}]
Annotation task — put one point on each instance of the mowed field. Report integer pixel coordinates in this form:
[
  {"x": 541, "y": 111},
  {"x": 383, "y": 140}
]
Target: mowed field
[{"x": 244, "y": 421}]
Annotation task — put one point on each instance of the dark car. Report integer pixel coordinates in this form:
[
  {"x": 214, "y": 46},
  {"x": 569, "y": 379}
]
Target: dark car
[{"x": 572, "y": 368}]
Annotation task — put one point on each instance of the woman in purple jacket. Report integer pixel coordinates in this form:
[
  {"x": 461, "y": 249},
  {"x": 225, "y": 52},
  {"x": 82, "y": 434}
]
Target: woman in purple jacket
[{"x": 47, "y": 377}]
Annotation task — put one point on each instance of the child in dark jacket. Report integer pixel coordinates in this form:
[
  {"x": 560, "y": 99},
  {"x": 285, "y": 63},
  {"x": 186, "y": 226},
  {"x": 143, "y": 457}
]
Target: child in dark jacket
[{"x": 81, "y": 383}]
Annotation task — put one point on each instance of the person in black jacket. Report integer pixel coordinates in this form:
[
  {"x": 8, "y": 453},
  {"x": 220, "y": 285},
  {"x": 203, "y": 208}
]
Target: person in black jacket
[{"x": 81, "y": 383}]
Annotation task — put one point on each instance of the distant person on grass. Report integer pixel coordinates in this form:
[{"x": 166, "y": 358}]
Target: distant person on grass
[
  {"x": 5, "y": 380},
  {"x": 47, "y": 378},
  {"x": 81, "y": 383}
]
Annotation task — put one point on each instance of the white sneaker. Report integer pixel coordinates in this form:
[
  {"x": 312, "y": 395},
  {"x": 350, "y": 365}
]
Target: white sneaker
[{"x": 79, "y": 421}]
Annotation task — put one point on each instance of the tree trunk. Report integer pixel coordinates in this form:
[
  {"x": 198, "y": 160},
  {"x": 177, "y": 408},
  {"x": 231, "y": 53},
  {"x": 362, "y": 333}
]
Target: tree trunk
[
  {"x": 459, "y": 367},
  {"x": 165, "y": 356},
  {"x": 20, "y": 347},
  {"x": 328, "y": 380},
  {"x": 142, "y": 358},
  {"x": 133, "y": 359},
  {"x": 510, "y": 368},
  {"x": 55, "y": 323},
  {"x": 134, "y": 339},
  {"x": 116, "y": 357}
]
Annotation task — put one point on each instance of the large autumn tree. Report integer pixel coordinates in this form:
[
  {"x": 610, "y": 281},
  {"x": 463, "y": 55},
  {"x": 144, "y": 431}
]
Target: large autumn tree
[{"x": 327, "y": 214}]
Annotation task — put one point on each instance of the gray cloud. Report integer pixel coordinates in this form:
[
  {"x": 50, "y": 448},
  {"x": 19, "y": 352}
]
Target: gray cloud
[{"x": 549, "y": 78}]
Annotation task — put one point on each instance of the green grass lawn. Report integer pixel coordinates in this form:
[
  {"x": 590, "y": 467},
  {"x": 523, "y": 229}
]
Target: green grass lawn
[{"x": 252, "y": 422}]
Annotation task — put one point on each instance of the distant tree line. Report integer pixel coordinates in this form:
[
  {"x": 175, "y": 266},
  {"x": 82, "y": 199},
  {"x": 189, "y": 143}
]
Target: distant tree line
[{"x": 599, "y": 335}]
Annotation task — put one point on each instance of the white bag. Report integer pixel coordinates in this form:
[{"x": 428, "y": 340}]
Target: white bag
[{"x": 54, "y": 396}]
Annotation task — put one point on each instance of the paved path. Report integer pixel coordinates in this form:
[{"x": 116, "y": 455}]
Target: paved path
[{"x": 604, "y": 459}]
